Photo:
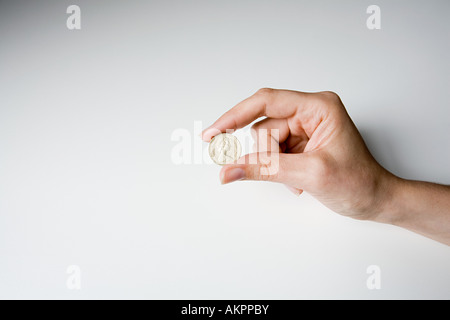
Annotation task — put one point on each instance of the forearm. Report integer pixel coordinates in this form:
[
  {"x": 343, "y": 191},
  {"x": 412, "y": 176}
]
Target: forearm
[{"x": 421, "y": 207}]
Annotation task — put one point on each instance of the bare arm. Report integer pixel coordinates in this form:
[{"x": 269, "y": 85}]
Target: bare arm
[{"x": 421, "y": 207}]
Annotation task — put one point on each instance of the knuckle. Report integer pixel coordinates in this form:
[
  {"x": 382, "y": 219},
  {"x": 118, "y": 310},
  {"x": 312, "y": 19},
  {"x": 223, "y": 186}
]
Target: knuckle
[
  {"x": 330, "y": 95},
  {"x": 331, "y": 100},
  {"x": 265, "y": 91}
]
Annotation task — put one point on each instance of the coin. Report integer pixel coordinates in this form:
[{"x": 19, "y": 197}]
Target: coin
[{"x": 224, "y": 149}]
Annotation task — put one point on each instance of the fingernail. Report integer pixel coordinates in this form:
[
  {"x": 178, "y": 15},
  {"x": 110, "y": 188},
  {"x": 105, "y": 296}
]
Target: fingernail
[
  {"x": 209, "y": 133},
  {"x": 295, "y": 191},
  {"x": 232, "y": 175}
]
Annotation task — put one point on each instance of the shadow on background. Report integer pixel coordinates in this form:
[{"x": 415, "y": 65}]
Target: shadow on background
[{"x": 384, "y": 151}]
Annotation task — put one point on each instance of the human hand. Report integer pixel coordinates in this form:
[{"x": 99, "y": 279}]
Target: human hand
[{"x": 317, "y": 149}]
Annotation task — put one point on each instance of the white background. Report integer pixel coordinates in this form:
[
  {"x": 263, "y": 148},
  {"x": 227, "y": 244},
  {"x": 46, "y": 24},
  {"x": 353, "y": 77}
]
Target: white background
[{"x": 87, "y": 179}]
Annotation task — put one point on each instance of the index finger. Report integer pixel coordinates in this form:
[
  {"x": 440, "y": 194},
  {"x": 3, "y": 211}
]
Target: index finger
[{"x": 271, "y": 103}]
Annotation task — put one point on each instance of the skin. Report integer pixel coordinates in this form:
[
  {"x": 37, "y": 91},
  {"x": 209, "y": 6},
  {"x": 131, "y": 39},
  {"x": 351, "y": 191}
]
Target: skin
[{"x": 308, "y": 142}]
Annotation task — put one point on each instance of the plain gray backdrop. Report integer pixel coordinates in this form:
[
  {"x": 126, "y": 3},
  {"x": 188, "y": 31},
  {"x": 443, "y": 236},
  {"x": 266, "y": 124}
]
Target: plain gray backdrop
[{"x": 87, "y": 177}]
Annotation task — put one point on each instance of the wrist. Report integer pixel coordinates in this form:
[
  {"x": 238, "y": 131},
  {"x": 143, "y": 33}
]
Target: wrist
[{"x": 389, "y": 199}]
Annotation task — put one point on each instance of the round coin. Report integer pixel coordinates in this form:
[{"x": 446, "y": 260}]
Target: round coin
[{"x": 224, "y": 149}]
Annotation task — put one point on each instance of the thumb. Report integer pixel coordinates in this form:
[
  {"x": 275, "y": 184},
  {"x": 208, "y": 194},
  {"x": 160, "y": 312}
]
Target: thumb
[{"x": 266, "y": 166}]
